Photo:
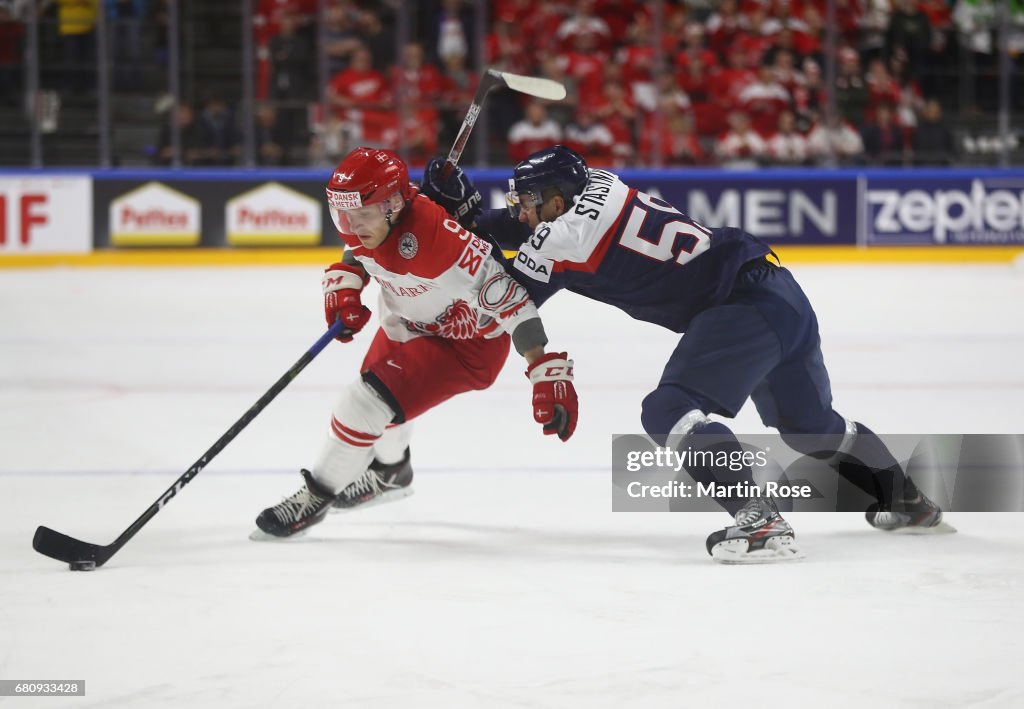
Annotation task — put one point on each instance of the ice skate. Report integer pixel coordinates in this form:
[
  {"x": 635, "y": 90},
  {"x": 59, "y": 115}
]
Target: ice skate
[
  {"x": 760, "y": 536},
  {"x": 295, "y": 514},
  {"x": 379, "y": 484},
  {"x": 914, "y": 514}
]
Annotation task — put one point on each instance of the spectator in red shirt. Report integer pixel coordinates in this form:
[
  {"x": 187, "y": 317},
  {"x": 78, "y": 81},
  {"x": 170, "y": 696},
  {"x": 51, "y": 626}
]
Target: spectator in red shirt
[
  {"x": 360, "y": 86},
  {"x": 534, "y": 132},
  {"x": 807, "y": 42},
  {"x": 618, "y": 14},
  {"x": 697, "y": 80},
  {"x": 731, "y": 80},
  {"x": 415, "y": 81},
  {"x": 764, "y": 100},
  {"x": 741, "y": 146},
  {"x": 360, "y": 98},
  {"x": 637, "y": 55},
  {"x": 723, "y": 26},
  {"x": 539, "y": 24},
  {"x": 756, "y": 37},
  {"x": 695, "y": 49},
  {"x": 592, "y": 138},
  {"x": 786, "y": 72},
  {"x": 787, "y": 146},
  {"x": 617, "y": 111},
  {"x": 583, "y": 21},
  {"x": 675, "y": 140},
  {"x": 506, "y": 47},
  {"x": 585, "y": 64}
]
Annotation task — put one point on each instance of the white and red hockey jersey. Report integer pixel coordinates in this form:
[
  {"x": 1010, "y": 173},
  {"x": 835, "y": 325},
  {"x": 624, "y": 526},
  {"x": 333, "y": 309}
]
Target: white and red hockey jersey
[{"x": 438, "y": 279}]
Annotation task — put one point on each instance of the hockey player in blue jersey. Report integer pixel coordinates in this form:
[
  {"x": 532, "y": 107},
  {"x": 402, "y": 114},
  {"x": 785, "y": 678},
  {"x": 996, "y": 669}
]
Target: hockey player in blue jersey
[{"x": 750, "y": 332}]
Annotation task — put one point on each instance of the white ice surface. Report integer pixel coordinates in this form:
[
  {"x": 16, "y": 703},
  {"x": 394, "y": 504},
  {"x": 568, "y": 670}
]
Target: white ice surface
[{"x": 505, "y": 581}]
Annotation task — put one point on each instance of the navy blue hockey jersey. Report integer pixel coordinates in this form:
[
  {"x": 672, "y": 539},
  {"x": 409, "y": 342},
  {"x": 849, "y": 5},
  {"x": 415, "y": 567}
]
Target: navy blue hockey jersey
[{"x": 628, "y": 249}]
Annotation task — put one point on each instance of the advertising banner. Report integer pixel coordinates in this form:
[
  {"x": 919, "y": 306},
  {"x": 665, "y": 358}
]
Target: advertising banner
[
  {"x": 211, "y": 210},
  {"x": 273, "y": 215},
  {"x": 806, "y": 207},
  {"x": 944, "y": 210},
  {"x": 154, "y": 215},
  {"x": 779, "y": 209},
  {"x": 45, "y": 215}
]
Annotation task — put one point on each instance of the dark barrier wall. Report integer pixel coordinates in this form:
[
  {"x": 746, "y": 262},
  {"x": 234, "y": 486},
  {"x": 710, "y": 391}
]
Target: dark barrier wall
[{"x": 872, "y": 207}]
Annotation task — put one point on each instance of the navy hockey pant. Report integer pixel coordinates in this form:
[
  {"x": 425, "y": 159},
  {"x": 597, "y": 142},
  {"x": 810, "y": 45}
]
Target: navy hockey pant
[{"x": 762, "y": 343}]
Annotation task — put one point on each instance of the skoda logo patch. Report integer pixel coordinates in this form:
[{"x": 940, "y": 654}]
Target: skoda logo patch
[{"x": 408, "y": 246}]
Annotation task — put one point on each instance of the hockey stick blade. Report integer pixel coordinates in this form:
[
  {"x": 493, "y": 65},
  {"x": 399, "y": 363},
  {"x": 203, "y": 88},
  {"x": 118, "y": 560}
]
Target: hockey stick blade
[
  {"x": 61, "y": 547},
  {"x": 492, "y": 79},
  {"x": 534, "y": 86},
  {"x": 55, "y": 545}
]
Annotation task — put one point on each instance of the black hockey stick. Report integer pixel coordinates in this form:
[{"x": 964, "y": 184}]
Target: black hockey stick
[
  {"x": 492, "y": 79},
  {"x": 83, "y": 556}
]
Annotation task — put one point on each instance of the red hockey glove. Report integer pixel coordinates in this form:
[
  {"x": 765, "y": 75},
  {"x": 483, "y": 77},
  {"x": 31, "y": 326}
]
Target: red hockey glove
[
  {"x": 342, "y": 285},
  {"x": 554, "y": 397}
]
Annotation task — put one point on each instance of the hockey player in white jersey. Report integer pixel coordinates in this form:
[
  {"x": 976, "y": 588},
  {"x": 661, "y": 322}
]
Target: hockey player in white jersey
[{"x": 448, "y": 313}]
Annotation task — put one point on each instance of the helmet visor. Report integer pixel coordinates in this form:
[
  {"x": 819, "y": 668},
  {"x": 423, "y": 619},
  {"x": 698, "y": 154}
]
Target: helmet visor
[
  {"x": 351, "y": 216},
  {"x": 517, "y": 201}
]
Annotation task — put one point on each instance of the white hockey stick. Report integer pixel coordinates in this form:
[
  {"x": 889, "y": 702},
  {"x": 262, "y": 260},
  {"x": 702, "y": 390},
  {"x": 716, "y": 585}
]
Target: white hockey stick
[{"x": 492, "y": 79}]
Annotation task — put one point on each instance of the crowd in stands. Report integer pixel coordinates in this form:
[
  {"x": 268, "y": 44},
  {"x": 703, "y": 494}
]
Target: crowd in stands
[
  {"x": 733, "y": 82},
  {"x": 737, "y": 83}
]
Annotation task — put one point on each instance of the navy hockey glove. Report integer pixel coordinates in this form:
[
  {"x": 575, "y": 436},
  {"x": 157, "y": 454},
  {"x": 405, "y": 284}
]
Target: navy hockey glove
[
  {"x": 457, "y": 194},
  {"x": 554, "y": 397},
  {"x": 343, "y": 285}
]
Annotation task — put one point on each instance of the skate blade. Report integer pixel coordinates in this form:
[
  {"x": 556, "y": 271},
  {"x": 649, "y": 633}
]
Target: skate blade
[
  {"x": 776, "y": 551},
  {"x": 258, "y": 535},
  {"x": 381, "y": 499},
  {"x": 940, "y": 528}
]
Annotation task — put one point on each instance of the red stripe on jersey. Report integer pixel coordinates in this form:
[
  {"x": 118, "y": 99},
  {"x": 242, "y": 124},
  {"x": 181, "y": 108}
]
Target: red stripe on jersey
[
  {"x": 352, "y": 437},
  {"x": 591, "y": 264}
]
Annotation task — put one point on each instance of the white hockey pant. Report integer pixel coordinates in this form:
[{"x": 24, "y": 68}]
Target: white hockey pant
[{"x": 358, "y": 423}]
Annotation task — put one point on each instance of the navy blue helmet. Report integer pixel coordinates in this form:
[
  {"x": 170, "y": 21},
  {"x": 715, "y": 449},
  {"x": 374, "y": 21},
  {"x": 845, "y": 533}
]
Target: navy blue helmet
[{"x": 557, "y": 167}]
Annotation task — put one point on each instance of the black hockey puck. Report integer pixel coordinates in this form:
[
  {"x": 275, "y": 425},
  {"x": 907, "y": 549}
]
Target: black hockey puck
[{"x": 82, "y": 565}]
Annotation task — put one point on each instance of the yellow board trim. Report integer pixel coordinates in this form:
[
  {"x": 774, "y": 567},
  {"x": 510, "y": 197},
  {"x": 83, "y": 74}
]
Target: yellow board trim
[
  {"x": 279, "y": 239},
  {"x": 950, "y": 255},
  {"x": 155, "y": 239}
]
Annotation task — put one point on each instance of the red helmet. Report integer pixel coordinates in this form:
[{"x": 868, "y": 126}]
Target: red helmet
[{"x": 366, "y": 176}]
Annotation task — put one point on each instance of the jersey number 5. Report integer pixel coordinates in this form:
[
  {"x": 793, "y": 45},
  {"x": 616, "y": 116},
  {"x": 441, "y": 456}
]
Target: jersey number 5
[{"x": 644, "y": 224}]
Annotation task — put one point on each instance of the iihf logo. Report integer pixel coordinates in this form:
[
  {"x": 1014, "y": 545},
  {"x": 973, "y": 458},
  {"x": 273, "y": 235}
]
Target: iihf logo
[{"x": 408, "y": 246}]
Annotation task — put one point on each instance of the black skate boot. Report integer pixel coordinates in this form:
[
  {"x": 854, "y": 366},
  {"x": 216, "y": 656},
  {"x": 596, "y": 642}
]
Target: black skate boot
[
  {"x": 913, "y": 513},
  {"x": 380, "y": 483},
  {"x": 295, "y": 514},
  {"x": 760, "y": 536}
]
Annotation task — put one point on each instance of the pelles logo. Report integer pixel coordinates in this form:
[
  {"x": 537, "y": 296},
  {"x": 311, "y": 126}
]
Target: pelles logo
[
  {"x": 273, "y": 215},
  {"x": 955, "y": 212},
  {"x": 154, "y": 215}
]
